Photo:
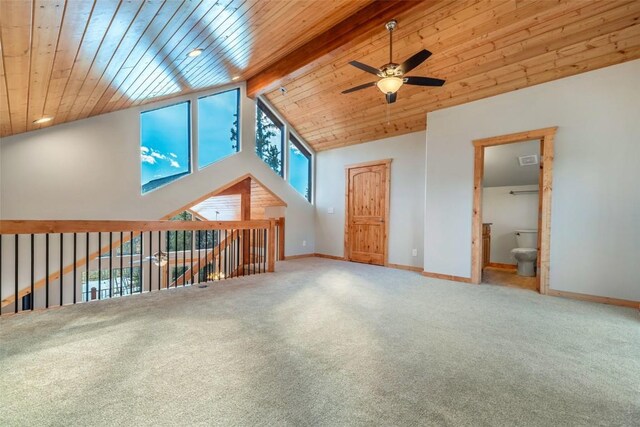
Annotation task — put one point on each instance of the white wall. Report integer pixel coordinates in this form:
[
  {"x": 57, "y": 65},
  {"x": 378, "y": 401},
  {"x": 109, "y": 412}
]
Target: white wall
[
  {"x": 595, "y": 223},
  {"x": 407, "y": 195},
  {"x": 508, "y": 213},
  {"x": 90, "y": 169}
]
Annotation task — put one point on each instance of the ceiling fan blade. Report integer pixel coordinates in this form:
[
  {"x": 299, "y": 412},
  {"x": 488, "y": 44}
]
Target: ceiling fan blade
[
  {"x": 364, "y": 86},
  {"x": 414, "y": 61},
  {"x": 391, "y": 97},
  {"x": 365, "y": 67},
  {"x": 423, "y": 81}
]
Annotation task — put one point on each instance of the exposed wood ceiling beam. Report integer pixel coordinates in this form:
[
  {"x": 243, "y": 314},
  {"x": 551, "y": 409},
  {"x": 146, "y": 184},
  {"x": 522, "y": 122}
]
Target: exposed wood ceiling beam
[{"x": 354, "y": 29}]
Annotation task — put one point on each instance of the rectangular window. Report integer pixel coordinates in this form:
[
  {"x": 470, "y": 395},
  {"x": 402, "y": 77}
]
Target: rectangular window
[
  {"x": 300, "y": 167},
  {"x": 218, "y": 131},
  {"x": 269, "y": 138},
  {"x": 165, "y": 153}
]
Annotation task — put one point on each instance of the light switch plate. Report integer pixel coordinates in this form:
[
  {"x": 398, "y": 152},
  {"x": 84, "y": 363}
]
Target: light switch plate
[{"x": 330, "y": 210}]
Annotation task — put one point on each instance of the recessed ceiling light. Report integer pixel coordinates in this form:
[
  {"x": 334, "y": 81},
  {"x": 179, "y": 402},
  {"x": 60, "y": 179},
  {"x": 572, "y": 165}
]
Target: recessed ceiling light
[
  {"x": 234, "y": 78},
  {"x": 194, "y": 53},
  {"x": 42, "y": 120}
]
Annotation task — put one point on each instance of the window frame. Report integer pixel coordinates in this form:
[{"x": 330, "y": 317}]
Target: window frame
[
  {"x": 297, "y": 142},
  {"x": 197, "y": 124},
  {"x": 261, "y": 105},
  {"x": 189, "y": 141}
]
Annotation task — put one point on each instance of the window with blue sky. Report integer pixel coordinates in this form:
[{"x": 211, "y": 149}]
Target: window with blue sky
[
  {"x": 269, "y": 138},
  {"x": 218, "y": 135},
  {"x": 164, "y": 145},
  {"x": 300, "y": 168}
]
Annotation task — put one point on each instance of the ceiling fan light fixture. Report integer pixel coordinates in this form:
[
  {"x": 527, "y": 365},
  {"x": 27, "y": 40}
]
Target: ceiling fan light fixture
[{"x": 389, "y": 84}]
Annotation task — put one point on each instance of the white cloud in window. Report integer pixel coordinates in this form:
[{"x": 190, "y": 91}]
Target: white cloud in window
[{"x": 151, "y": 156}]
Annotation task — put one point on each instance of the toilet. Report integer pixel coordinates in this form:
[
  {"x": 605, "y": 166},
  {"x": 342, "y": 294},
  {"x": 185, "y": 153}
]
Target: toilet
[{"x": 526, "y": 252}]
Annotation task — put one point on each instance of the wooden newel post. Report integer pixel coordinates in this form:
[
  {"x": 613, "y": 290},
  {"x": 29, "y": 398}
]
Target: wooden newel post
[
  {"x": 281, "y": 240},
  {"x": 271, "y": 248}
]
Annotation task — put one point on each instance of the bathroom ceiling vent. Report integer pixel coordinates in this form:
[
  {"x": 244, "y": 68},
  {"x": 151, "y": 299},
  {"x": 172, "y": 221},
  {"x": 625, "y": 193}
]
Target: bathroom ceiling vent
[{"x": 531, "y": 159}]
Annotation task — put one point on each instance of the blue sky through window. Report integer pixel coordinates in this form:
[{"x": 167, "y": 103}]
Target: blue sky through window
[
  {"x": 269, "y": 138},
  {"x": 164, "y": 145},
  {"x": 217, "y": 115},
  {"x": 299, "y": 170}
]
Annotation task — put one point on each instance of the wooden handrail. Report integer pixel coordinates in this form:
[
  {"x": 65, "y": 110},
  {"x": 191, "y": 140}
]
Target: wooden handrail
[{"x": 90, "y": 226}]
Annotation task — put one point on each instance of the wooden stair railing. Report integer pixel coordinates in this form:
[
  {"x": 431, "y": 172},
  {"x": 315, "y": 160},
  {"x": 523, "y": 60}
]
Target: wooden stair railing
[{"x": 35, "y": 267}]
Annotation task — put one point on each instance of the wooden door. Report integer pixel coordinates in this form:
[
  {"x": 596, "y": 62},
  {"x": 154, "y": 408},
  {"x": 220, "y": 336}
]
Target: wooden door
[{"x": 367, "y": 202}]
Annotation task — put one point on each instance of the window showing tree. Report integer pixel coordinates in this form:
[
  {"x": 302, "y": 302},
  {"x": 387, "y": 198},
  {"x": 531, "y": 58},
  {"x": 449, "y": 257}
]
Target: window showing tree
[
  {"x": 299, "y": 167},
  {"x": 218, "y": 126},
  {"x": 269, "y": 138},
  {"x": 165, "y": 153}
]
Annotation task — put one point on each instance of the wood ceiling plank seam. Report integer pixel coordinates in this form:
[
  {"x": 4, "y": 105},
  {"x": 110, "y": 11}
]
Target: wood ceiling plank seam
[
  {"x": 166, "y": 80},
  {"x": 367, "y": 123},
  {"x": 335, "y": 80},
  {"x": 429, "y": 44},
  {"x": 206, "y": 45},
  {"x": 168, "y": 7},
  {"x": 102, "y": 15},
  {"x": 342, "y": 34},
  {"x": 183, "y": 47},
  {"x": 176, "y": 20},
  {"x": 526, "y": 81},
  {"x": 537, "y": 39},
  {"x": 548, "y": 75},
  {"x": 113, "y": 38},
  {"x": 596, "y": 46},
  {"x": 101, "y": 89},
  {"x": 381, "y": 40},
  {"x": 16, "y": 21},
  {"x": 129, "y": 92},
  {"x": 5, "y": 115},
  {"x": 205, "y": 77},
  {"x": 202, "y": 77},
  {"x": 319, "y": 25},
  {"x": 502, "y": 27},
  {"x": 143, "y": 18},
  {"x": 64, "y": 61},
  {"x": 521, "y": 20},
  {"x": 451, "y": 79},
  {"x": 410, "y": 124},
  {"x": 43, "y": 67},
  {"x": 409, "y": 50}
]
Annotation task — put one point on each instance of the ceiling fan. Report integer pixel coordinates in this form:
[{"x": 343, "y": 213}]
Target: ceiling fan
[{"x": 392, "y": 75}]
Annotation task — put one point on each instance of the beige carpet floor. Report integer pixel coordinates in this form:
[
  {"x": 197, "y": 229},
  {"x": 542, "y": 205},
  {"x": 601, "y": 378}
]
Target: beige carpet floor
[{"x": 324, "y": 342}]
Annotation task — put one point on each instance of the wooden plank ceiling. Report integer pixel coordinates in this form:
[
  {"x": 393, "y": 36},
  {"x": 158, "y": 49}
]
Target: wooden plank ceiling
[
  {"x": 482, "y": 48},
  {"x": 78, "y": 58},
  {"x": 228, "y": 206},
  {"x": 71, "y": 59}
]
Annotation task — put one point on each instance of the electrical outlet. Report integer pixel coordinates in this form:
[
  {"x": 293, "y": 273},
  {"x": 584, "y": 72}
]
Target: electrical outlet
[
  {"x": 304, "y": 243},
  {"x": 414, "y": 252},
  {"x": 330, "y": 210}
]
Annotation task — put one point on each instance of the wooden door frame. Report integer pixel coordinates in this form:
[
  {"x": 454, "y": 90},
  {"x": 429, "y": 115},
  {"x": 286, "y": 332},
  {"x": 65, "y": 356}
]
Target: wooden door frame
[
  {"x": 546, "y": 137},
  {"x": 387, "y": 164}
]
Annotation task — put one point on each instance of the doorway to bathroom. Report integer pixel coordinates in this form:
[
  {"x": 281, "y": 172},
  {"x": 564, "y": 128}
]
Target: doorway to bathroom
[{"x": 512, "y": 209}]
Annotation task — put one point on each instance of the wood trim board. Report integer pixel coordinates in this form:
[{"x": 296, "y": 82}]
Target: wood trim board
[{"x": 546, "y": 137}]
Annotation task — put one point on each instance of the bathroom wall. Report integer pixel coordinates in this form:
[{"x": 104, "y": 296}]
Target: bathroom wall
[
  {"x": 508, "y": 213},
  {"x": 595, "y": 209}
]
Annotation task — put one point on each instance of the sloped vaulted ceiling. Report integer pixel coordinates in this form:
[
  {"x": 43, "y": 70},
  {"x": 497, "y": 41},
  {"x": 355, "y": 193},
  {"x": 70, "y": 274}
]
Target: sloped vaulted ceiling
[
  {"x": 78, "y": 58},
  {"x": 482, "y": 48}
]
